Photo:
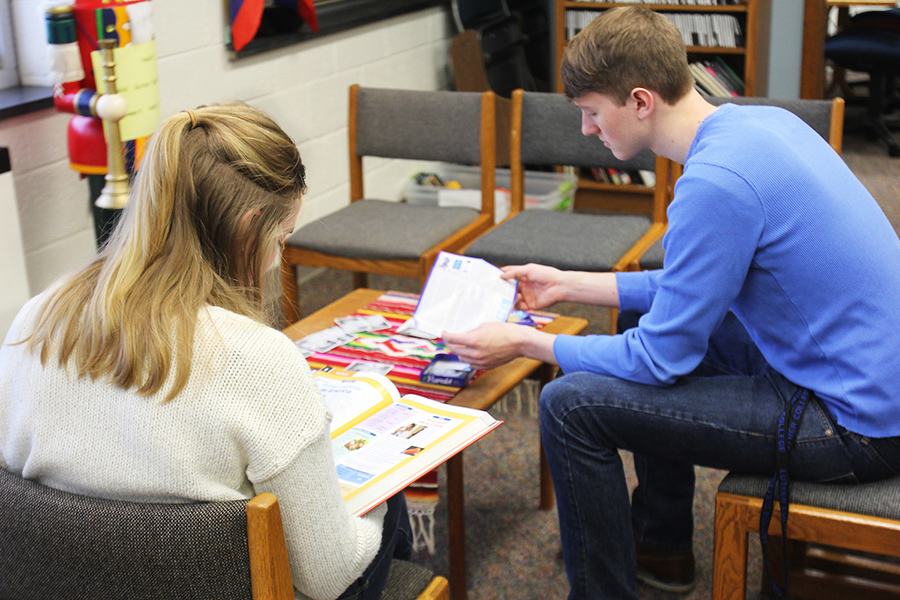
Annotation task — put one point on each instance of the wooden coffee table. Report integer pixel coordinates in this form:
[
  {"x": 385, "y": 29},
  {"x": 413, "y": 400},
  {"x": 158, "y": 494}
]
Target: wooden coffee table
[{"x": 481, "y": 393}]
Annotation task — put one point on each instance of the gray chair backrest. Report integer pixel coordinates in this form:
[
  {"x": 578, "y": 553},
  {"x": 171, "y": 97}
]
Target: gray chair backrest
[
  {"x": 54, "y": 544},
  {"x": 551, "y": 135},
  {"x": 816, "y": 113},
  {"x": 440, "y": 126}
]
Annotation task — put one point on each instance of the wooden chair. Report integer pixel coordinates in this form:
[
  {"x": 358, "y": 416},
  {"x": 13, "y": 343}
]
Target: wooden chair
[
  {"x": 863, "y": 518},
  {"x": 825, "y": 116},
  {"x": 55, "y": 544},
  {"x": 395, "y": 238},
  {"x": 546, "y": 130}
]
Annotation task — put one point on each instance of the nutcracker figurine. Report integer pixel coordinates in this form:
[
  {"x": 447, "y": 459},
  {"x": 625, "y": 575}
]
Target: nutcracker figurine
[{"x": 74, "y": 32}]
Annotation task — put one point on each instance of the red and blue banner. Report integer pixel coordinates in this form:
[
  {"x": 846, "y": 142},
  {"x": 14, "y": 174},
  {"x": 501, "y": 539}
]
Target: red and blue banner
[{"x": 246, "y": 15}]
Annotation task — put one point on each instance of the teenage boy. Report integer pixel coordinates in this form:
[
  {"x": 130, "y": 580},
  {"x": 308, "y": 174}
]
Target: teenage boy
[{"x": 781, "y": 287}]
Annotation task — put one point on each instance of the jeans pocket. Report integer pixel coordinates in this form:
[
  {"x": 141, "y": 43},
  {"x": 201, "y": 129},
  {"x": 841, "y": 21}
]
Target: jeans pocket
[
  {"x": 824, "y": 425},
  {"x": 885, "y": 451},
  {"x": 873, "y": 458}
]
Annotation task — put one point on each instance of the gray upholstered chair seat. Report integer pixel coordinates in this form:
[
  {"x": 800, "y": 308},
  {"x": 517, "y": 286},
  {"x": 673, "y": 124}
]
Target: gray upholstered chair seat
[
  {"x": 877, "y": 499},
  {"x": 569, "y": 241},
  {"x": 653, "y": 258},
  {"x": 380, "y": 230},
  {"x": 406, "y": 580}
]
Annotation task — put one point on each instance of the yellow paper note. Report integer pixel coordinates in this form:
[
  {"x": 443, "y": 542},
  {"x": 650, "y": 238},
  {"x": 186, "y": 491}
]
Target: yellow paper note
[{"x": 136, "y": 81}]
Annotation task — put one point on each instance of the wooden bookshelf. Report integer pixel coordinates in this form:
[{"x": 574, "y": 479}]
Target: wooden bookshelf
[{"x": 750, "y": 62}]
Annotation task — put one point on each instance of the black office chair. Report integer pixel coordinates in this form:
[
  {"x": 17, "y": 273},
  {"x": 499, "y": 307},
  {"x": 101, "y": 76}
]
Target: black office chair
[
  {"x": 870, "y": 43},
  {"x": 534, "y": 17},
  {"x": 500, "y": 41}
]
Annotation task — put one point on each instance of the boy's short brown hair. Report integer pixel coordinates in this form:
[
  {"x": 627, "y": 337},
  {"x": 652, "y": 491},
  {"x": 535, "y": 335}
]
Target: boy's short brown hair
[{"x": 625, "y": 48}]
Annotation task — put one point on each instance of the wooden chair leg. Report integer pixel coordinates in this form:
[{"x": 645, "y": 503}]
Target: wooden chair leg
[
  {"x": 360, "y": 280},
  {"x": 548, "y": 496},
  {"x": 290, "y": 296},
  {"x": 730, "y": 550}
]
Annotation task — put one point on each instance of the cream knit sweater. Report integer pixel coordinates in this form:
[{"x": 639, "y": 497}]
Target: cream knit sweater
[{"x": 249, "y": 420}]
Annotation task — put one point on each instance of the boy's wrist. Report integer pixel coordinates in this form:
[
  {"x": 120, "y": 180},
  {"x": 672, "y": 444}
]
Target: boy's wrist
[
  {"x": 564, "y": 286},
  {"x": 535, "y": 344}
]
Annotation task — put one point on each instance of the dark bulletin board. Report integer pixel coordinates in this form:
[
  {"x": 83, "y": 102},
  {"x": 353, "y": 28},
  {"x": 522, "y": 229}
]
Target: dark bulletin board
[{"x": 282, "y": 27}]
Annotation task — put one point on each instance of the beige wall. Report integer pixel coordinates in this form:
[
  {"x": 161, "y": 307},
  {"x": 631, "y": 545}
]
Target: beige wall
[{"x": 304, "y": 87}]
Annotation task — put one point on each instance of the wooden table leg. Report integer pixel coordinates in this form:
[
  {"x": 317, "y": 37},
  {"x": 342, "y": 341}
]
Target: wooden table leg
[
  {"x": 456, "y": 527},
  {"x": 546, "y": 374},
  {"x": 548, "y": 498}
]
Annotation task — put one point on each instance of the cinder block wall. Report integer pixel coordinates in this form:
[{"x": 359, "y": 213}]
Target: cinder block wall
[{"x": 304, "y": 87}]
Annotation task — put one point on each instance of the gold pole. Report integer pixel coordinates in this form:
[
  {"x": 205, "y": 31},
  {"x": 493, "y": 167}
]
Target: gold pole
[{"x": 115, "y": 192}]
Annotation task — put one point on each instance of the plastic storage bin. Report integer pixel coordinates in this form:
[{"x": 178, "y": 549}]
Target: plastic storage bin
[{"x": 548, "y": 191}]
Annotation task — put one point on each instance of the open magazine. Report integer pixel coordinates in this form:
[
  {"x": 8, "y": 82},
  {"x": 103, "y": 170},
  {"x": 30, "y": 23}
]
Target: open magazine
[{"x": 382, "y": 442}]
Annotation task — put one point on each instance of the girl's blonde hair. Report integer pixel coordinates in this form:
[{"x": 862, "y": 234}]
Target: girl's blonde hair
[{"x": 204, "y": 219}]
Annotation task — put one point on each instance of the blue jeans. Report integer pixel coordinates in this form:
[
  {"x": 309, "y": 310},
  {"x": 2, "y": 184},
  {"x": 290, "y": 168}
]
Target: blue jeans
[
  {"x": 396, "y": 542},
  {"x": 723, "y": 416}
]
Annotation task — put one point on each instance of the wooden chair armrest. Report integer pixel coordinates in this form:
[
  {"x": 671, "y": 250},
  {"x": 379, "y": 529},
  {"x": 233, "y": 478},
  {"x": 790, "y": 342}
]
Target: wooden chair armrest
[
  {"x": 631, "y": 261},
  {"x": 270, "y": 571}
]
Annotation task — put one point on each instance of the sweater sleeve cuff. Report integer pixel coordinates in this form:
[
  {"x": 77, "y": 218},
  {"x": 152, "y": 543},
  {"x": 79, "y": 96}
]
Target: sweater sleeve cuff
[
  {"x": 566, "y": 349},
  {"x": 636, "y": 289}
]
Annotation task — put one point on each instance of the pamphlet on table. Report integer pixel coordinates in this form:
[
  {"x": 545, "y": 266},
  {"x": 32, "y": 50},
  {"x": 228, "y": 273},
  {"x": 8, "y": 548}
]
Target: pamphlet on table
[{"x": 382, "y": 442}]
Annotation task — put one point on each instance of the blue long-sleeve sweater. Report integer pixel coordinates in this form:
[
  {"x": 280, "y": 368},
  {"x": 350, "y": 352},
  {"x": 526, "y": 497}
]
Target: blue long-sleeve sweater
[{"x": 768, "y": 221}]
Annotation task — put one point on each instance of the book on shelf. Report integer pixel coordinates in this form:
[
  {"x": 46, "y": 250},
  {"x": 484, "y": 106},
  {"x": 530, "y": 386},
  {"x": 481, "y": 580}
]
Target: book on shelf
[
  {"x": 383, "y": 442},
  {"x": 576, "y": 20},
  {"x": 702, "y": 29},
  {"x": 726, "y": 73},
  {"x": 615, "y": 176},
  {"x": 707, "y": 81},
  {"x": 714, "y": 80},
  {"x": 709, "y": 30},
  {"x": 648, "y": 177}
]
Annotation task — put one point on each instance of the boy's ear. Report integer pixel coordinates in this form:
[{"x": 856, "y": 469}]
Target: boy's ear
[{"x": 644, "y": 102}]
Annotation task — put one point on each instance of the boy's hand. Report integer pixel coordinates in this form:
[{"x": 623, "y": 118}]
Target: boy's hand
[
  {"x": 539, "y": 285},
  {"x": 487, "y": 346}
]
